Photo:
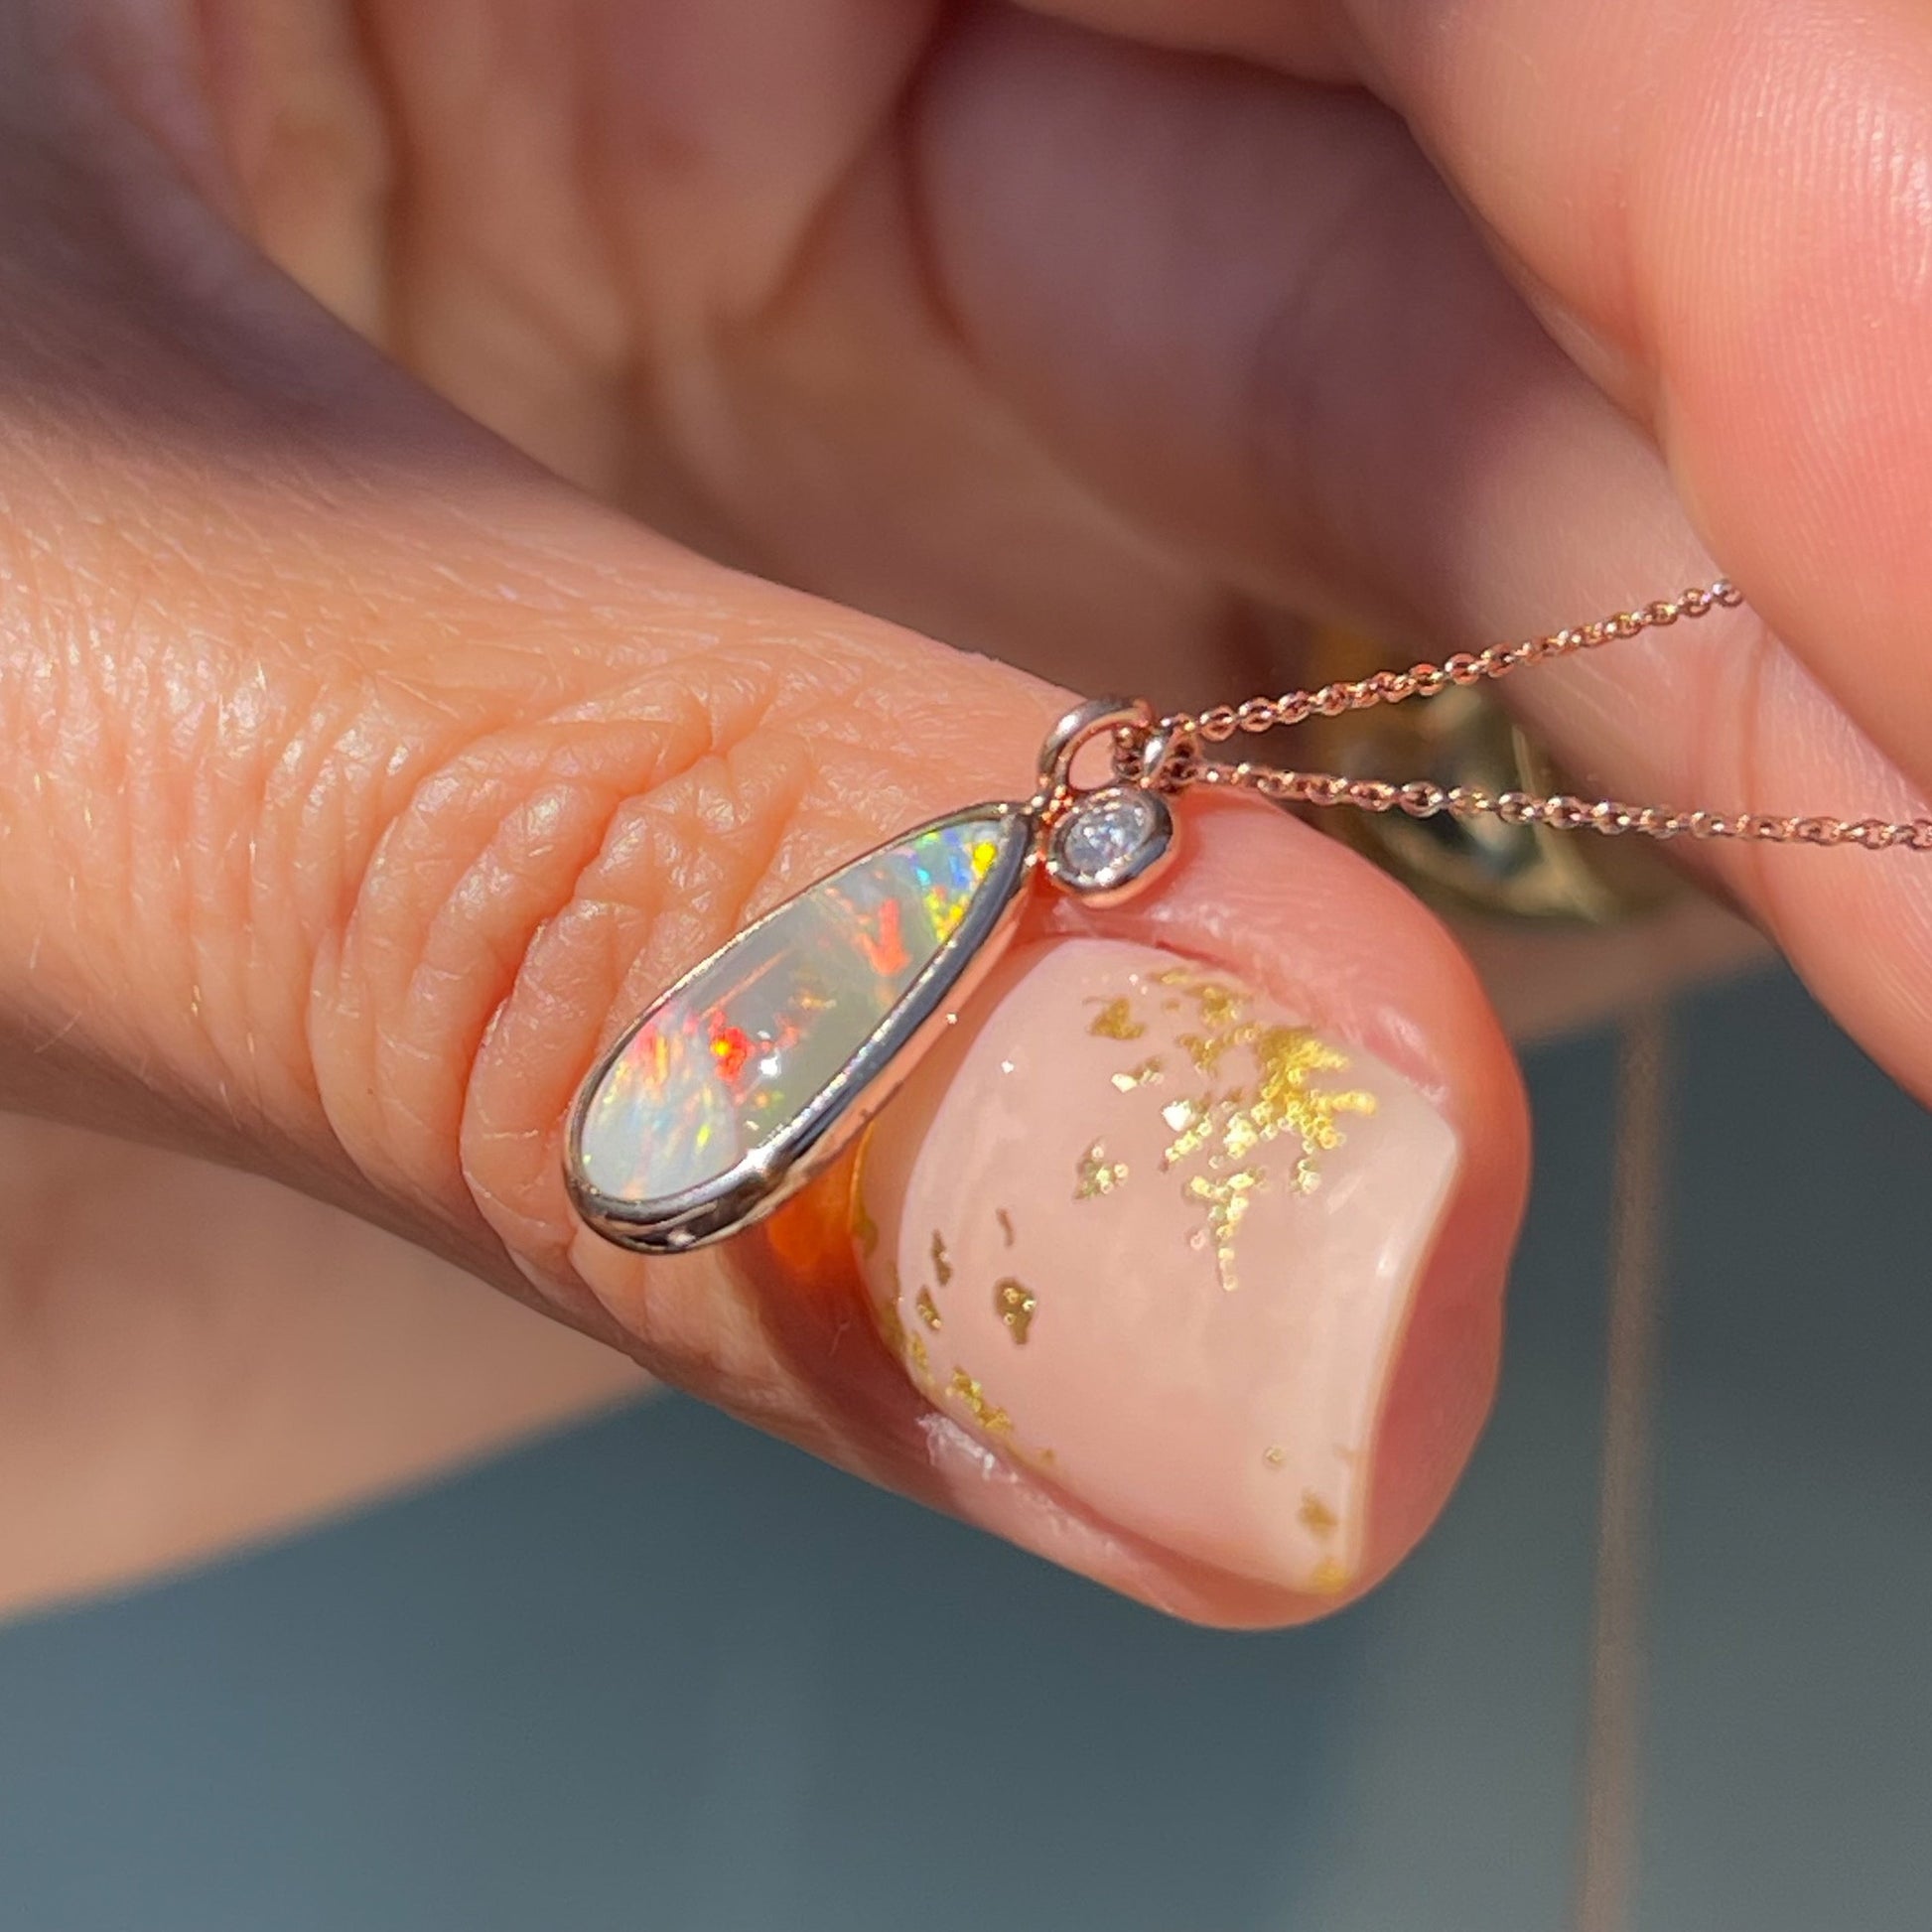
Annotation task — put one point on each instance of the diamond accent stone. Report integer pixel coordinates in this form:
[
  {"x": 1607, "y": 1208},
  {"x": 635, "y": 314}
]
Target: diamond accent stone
[{"x": 1108, "y": 838}]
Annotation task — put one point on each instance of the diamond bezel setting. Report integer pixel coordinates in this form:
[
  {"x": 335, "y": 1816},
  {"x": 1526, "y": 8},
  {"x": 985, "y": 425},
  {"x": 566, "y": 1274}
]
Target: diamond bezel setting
[{"x": 1108, "y": 841}]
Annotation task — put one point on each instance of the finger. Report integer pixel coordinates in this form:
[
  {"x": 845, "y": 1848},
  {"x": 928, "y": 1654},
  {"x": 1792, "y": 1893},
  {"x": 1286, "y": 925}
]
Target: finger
[
  {"x": 1304, "y": 367},
  {"x": 1726, "y": 199},
  {"x": 361, "y": 783},
  {"x": 1178, "y": 1219},
  {"x": 1719, "y": 206}
]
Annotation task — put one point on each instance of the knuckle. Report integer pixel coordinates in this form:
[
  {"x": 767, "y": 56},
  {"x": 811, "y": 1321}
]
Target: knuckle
[
  {"x": 533, "y": 887},
  {"x": 492, "y": 840}
]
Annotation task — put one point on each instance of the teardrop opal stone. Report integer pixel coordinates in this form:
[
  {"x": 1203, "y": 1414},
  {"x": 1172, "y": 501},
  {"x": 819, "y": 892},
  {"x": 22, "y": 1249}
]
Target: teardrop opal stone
[{"x": 751, "y": 1044}]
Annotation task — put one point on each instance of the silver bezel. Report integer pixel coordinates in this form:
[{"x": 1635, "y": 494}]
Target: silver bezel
[{"x": 813, "y": 1138}]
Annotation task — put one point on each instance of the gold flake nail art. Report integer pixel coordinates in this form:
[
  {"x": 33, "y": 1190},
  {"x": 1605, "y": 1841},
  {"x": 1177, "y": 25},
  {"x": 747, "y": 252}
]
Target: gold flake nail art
[
  {"x": 1315, "y": 1516},
  {"x": 1330, "y": 1578},
  {"x": 1286, "y": 1104},
  {"x": 1226, "y": 1198},
  {"x": 1228, "y": 1126},
  {"x": 1096, "y": 1174},
  {"x": 1187, "y": 1185},
  {"x": 994, "y": 1420},
  {"x": 1190, "y": 1122},
  {"x": 1115, "y": 1020},
  {"x": 1015, "y": 1303},
  {"x": 1205, "y": 1050}
]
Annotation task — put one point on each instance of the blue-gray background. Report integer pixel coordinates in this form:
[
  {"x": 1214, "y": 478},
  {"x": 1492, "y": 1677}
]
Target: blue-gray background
[{"x": 662, "y": 1674}]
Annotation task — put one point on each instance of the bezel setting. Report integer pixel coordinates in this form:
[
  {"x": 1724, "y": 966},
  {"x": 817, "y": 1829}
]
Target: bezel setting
[{"x": 1145, "y": 814}]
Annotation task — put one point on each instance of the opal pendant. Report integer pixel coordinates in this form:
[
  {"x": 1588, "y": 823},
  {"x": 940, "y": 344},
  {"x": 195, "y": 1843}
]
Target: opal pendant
[{"x": 764, "y": 1061}]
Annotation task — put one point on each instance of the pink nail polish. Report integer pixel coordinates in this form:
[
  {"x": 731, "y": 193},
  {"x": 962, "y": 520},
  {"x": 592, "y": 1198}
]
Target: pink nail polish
[{"x": 1150, "y": 1234}]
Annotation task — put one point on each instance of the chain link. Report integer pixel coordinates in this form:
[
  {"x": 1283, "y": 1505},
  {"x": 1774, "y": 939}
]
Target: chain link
[{"x": 1181, "y": 764}]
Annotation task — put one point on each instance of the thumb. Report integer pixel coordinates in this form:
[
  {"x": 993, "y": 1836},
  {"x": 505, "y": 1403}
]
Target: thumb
[{"x": 361, "y": 783}]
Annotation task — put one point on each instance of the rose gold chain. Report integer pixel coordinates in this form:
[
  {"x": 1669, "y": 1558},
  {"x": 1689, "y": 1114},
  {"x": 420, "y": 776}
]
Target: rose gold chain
[{"x": 1181, "y": 763}]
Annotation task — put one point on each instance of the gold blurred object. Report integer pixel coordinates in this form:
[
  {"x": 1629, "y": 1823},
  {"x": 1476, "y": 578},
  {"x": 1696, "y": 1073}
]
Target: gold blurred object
[{"x": 1488, "y": 864}]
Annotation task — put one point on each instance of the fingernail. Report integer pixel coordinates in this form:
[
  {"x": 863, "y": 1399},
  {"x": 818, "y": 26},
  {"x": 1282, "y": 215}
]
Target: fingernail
[{"x": 1146, "y": 1231}]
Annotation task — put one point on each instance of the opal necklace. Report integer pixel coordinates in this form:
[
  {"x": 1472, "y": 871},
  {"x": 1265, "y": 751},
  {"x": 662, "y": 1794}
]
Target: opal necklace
[{"x": 761, "y": 1066}]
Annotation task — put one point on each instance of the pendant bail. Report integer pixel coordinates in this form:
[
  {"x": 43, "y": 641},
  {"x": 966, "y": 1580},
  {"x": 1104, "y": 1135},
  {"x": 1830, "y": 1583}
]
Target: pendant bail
[
  {"x": 1102, "y": 843},
  {"x": 1163, "y": 758},
  {"x": 1076, "y": 730}
]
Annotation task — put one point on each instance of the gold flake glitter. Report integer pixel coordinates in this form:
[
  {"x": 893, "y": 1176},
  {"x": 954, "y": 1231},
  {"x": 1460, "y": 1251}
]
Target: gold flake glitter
[
  {"x": 994, "y": 1421},
  {"x": 1014, "y": 1303},
  {"x": 1230, "y": 1124},
  {"x": 1288, "y": 1104},
  {"x": 941, "y": 1267},
  {"x": 1331, "y": 1578},
  {"x": 1227, "y": 1198},
  {"x": 1143, "y": 1075},
  {"x": 1115, "y": 1020},
  {"x": 1274, "y": 1455},
  {"x": 1096, "y": 1174},
  {"x": 1221, "y": 1006},
  {"x": 1205, "y": 1050},
  {"x": 915, "y": 1348},
  {"x": 928, "y": 1311},
  {"x": 1191, "y": 1122},
  {"x": 1315, "y": 1516},
  {"x": 1005, "y": 1223}
]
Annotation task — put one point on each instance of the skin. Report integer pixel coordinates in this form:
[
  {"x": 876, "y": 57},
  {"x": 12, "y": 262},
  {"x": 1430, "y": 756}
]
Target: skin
[{"x": 363, "y": 768}]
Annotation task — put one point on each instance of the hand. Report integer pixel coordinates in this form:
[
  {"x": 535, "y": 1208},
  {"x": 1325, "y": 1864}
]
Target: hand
[{"x": 361, "y": 775}]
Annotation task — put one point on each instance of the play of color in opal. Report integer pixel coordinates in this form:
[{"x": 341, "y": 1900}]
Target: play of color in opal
[{"x": 757, "y": 1055}]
